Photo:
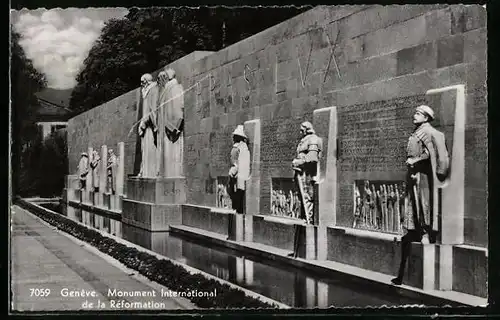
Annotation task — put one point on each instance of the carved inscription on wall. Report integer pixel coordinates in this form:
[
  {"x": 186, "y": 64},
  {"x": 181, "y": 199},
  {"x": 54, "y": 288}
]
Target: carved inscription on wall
[
  {"x": 372, "y": 143},
  {"x": 379, "y": 128},
  {"x": 379, "y": 205},
  {"x": 285, "y": 199}
]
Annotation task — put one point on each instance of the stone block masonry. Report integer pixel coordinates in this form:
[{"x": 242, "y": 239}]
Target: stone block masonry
[
  {"x": 348, "y": 59},
  {"x": 374, "y": 64}
]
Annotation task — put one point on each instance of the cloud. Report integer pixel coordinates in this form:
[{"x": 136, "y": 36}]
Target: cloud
[{"x": 58, "y": 41}]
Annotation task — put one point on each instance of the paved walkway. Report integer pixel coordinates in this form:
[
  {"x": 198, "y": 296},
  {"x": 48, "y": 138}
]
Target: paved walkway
[{"x": 50, "y": 271}]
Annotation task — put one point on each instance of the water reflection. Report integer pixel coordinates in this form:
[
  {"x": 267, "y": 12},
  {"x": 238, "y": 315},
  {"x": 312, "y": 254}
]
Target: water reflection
[
  {"x": 293, "y": 287},
  {"x": 95, "y": 221}
]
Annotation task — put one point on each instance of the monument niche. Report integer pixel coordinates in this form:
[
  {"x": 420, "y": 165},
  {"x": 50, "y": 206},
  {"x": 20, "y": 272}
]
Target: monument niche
[{"x": 156, "y": 192}]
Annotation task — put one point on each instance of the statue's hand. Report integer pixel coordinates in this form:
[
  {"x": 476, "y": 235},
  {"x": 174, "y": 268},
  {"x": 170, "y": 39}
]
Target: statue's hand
[
  {"x": 425, "y": 239},
  {"x": 411, "y": 161},
  {"x": 297, "y": 162},
  {"x": 232, "y": 172}
]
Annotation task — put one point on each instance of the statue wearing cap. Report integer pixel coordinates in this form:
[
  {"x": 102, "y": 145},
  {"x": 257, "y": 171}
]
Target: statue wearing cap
[
  {"x": 239, "y": 173},
  {"x": 83, "y": 169},
  {"x": 427, "y": 169},
  {"x": 171, "y": 119},
  {"x": 306, "y": 168},
  {"x": 147, "y": 102}
]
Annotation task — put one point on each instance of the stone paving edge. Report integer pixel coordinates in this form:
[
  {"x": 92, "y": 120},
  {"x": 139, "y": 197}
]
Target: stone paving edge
[{"x": 21, "y": 202}]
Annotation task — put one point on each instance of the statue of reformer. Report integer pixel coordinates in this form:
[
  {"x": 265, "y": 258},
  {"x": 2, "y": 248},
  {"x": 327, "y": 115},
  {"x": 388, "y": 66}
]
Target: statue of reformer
[
  {"x": 148, "y": 127},
  {"x": 171, "y": 123},
  {"x": 427, "y": 169}
]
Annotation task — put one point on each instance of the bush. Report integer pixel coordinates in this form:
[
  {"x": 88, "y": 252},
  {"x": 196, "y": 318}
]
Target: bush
[
  {"x": 44, "y": 165},
  {"x": 162, "y": 271}
]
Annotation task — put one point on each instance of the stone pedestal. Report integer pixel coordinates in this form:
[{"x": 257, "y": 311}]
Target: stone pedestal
[
  {"x": 78, "y": 195},
  {"x": 325, "y": 125},
  {"x": 236, "y": 227},
  {"x": 115, "y": 202},
  {"x": 71, "y": 195},
  {"x": 87, "y": 197},
  {"x": 99, "y": 199},
  {"x": 154, "y": 203},
  {"x": 445, "y": 267},
  {"x": 120, "y": 171},
  {"x": 248, "y": 228},
  {"x": 157, "y": 190},
  {"x": 72, "y": 185},
  {"x": 106, "y": 201},
  {"x": 308, "y": 245}
]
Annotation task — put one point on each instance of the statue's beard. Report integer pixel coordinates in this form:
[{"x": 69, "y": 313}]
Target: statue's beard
[{"x": 145, "y": 89}]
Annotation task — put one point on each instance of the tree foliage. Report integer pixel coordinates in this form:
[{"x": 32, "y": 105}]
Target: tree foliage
[
  {"x": 148, "y": 39},
  {"x": 45, "y": 165},
  {"x": 25, "y": 82}
]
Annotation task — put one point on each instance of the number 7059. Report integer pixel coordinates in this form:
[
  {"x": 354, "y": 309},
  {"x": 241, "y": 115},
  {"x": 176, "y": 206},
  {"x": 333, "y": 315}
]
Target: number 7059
[{"x": 37, "y": 292}]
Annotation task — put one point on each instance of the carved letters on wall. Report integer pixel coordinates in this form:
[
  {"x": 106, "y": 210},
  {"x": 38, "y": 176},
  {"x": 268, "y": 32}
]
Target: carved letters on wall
[
  {"x": 248, "y": 73},
  {"x": 332, "y": 55},
  {"x": 379, "y": 205},
  {"x": 304, "y": 77}
]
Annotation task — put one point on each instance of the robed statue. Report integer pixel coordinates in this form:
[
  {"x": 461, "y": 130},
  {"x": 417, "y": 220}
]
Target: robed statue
[
  {"x": 111, "y": 169},
  {"x": 306, "y": 168},
  {"x": 171, "y": 111},
  {"x": 95, "y": 165},
  {"x": 148, "y": 127}
]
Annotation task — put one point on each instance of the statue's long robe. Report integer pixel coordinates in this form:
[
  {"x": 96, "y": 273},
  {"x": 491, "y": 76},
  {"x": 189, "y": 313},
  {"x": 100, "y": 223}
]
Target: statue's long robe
[
  {"x": 96, "y": 170},
  {"x": 112, "y": 172},
  {"x": 148, "y": 129},
  {"x": 171, "y": 111},
  {"x": 423, "y": 180},
  {"x": 310, "y": 144},
  {"x": 240, "y": 159}
]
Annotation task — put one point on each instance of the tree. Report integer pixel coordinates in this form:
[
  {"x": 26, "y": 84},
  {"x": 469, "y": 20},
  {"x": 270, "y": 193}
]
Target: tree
[
  {"x": 25, "y": 82},
  {"x": 52, "y": 166},
  {"x": 142, "y": 42},
  {"x": 148, "y": 39}
]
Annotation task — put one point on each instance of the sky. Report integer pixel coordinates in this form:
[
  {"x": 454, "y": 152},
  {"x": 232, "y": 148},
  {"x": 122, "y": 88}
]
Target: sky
[{"x": 59, "y": 40}]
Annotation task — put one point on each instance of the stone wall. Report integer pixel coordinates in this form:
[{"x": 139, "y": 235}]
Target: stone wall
[
  {"x": 112, "y": 122},
  {"x": 385, "y": 58}
]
